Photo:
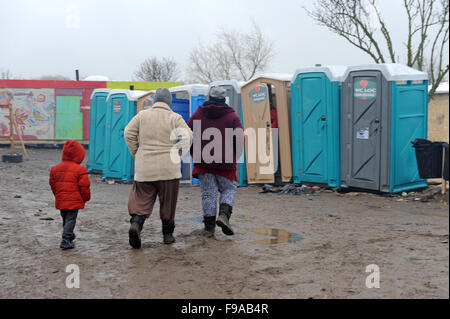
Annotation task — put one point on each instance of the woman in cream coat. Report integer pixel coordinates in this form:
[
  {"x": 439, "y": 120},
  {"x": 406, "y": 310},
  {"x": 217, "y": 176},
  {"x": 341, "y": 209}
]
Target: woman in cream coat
[{"x": 157, "y": 138}]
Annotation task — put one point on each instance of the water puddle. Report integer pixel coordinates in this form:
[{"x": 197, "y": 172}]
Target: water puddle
[
  {"x": 279, "y": 236},
  {"x": 179, "y": 245},
  {"x": 197, "y": 219}
]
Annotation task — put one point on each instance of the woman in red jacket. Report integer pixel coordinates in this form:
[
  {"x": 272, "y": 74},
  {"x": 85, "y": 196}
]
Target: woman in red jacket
[
  {"x": 71, "y": 186},
  {"x": 217, "y": 175}
]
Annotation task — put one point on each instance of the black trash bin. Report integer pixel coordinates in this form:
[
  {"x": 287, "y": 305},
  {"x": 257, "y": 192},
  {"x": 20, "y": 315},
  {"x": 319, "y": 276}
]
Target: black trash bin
[
  {"x": 445, "y": 146},
  {"x": 429, "y": 158}
]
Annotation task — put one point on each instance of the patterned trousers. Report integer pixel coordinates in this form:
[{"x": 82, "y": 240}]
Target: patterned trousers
[{"x": 210, "y": 186}]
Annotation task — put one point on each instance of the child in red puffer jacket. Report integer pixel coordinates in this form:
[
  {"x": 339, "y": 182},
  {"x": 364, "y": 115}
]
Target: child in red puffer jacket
[{"x": 71, "y": 186}]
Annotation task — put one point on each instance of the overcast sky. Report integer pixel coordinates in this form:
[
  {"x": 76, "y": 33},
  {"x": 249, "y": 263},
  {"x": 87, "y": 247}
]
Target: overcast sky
[{"x": 112, "y": 37}]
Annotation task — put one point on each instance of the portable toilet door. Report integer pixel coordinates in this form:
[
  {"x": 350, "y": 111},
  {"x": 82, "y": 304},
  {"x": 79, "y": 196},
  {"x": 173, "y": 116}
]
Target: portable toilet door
[
  {"x": 384, "y": 109},
  {"x": 257, "y": 96},
  {"x": 97, "y": 130},
  {"x": 316, "y": 105},
  {"x": 185, "y": 101},
  {"x": 119, "y": 164}
]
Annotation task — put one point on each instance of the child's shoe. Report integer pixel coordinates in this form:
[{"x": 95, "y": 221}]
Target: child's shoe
[{"x": 65, "y": 244}]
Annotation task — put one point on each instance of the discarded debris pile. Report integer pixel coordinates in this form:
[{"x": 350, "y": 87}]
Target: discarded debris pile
[
  {"x": 291, "y": 189},
  {"x": 433, "y": 192}
]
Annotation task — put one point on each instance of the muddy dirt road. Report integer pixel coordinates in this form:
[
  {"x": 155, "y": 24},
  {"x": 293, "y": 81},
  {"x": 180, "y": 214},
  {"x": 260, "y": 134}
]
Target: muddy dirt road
[{"x": 285, "y": 246}]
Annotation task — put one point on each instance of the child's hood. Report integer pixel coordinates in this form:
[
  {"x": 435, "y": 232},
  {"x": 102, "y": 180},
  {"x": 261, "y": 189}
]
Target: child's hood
[{"x": 73, "y": 151}]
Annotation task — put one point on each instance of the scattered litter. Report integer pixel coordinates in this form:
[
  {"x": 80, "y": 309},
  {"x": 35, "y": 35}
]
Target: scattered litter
[
  {"x": 290, "y": 189},
  {"x": 111, "y": 182},
  {"x": 17, "y": 196},
  {"x": 426, "y": 195},
  {"x": 46, "y": 218}
]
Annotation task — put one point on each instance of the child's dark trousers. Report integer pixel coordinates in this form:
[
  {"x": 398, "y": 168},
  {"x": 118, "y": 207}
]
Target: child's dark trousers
[{"x": 69, "y": 221}]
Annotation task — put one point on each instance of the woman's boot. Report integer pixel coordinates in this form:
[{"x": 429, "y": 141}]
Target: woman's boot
[
  {"x": 210, "y": 226},
  {"x": 223, "y": 220},
  {"x": 167, "y": 229},
  {"x": 134, "y": 233}
]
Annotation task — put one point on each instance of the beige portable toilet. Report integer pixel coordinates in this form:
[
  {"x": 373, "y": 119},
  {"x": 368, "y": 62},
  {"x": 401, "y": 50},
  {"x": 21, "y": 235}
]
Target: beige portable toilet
[
  {"x": 145, "y": 101},
  {"x": 257, "y": 96}
]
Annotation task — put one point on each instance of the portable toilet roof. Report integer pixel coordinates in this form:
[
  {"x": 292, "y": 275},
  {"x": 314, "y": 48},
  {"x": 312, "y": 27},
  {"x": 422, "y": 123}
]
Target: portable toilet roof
[
  {"x": 392, "y": 72},
  {"x": 131, "y": 94},
  {"x": 235, "y": 84},
  {"x": 285, "y": 77},
  {"x": 193, "y": 89},
  {"x": 99, "y": 91},
  {"x": 335, "y": 73}
]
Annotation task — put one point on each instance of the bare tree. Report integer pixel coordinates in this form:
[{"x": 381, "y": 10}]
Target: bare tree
[
  {"x": 361, "y": 23},
  {"x": 158, "y": 70},
  {"x": 234, "y": 55},
  {"x": 5, "y": 74},
  {"x": 208, "y": 64}
]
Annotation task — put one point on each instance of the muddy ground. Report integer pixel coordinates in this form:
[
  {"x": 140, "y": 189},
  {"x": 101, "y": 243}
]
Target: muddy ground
[{"x": 285, "y": 246}]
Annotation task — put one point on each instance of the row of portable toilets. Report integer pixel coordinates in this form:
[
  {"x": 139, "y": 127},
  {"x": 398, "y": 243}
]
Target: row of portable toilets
[{"x": 348, "y": 127}]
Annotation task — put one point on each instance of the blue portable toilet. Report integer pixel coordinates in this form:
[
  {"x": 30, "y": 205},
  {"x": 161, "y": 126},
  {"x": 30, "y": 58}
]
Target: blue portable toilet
[
  {"x": 384, "y": 109},
  {"x": 185, "y": 101},
  {"x": 97, "y": 126},
  {"x": 121, "y": 108},
  {"x": 233, "y": 99},
  {"x": 315, "y": 117}
]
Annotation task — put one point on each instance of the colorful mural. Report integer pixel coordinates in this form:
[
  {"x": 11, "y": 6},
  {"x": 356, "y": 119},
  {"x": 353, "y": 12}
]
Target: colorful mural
[
  {"x": 55, "y": 111},
  {"x": 34, "y": 110}
]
